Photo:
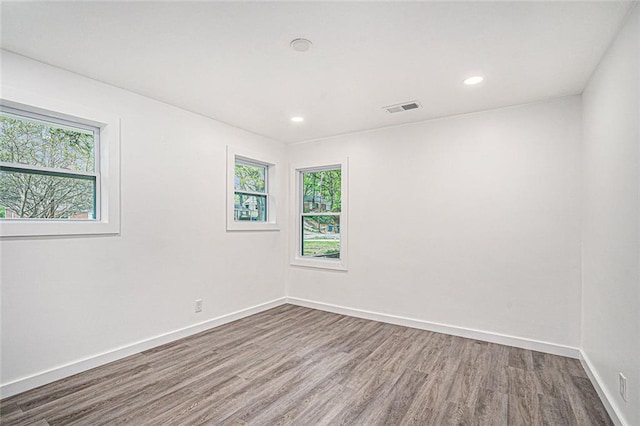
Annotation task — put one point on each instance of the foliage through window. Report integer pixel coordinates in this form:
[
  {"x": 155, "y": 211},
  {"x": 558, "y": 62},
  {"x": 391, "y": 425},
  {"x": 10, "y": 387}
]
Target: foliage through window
[
  {"x": 321, "y": 209},
  {"x": 250, "y": 192},
  {"x": 48, "y": 168}
]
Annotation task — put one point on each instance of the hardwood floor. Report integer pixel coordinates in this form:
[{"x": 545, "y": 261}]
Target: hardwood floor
[{"x": 293, "y": 365}]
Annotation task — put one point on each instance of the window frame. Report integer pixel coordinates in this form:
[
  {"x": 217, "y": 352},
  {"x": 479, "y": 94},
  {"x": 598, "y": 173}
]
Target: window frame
[
  {"x": 271, "y": 190},
  {"x": 106, "y": 170},
  {"x": 297, "y": 259},
  {"x": 59, "y": 172},
  {"x": 264, "y": 194}
]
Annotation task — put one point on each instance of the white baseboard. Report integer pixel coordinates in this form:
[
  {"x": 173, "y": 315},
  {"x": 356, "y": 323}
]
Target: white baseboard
[
  {"x": 605, "y": 396},
  {"x": 486, "y": 336},
  {"x": 57, "y": 373}
]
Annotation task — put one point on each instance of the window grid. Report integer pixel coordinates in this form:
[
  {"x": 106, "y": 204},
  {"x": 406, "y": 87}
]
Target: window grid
[
  {"x": 58, "y": 172},
  {"x": 265, "y": 193},
  {"x": 315, "y": 214}
]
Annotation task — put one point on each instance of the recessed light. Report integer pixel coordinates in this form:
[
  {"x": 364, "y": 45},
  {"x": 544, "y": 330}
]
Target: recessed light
[
  {"x": 300, "y": 45},
  {"x": 473, "y": 80},
  {"x": 297, "y": 119}
]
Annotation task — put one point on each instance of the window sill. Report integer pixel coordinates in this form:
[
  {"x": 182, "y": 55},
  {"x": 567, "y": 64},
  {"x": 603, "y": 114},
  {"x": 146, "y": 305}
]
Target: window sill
[
  {"x": 252, "y": 226},
  {"x": 15, "y": 228},
  {"x": 334, "y": 265}
]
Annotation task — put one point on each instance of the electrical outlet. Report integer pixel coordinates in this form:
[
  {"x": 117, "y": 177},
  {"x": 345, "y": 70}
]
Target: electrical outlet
[
  {"x": 623, "y": 386},
  {"x": 198, "y": 305}
]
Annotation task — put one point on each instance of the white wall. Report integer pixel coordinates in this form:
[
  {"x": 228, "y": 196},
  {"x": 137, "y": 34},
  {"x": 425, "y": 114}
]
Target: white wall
[
  {"x": 470, "y": 221},
  {"x": 611, "y": 241},
  {"x": 65, "y": 299}
]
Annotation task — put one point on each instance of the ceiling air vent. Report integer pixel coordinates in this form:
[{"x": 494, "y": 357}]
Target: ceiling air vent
[{"x": 391, "y": 109}]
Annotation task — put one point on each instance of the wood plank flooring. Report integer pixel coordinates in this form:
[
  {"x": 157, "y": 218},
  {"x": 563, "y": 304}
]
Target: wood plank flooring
[{"x": 299, "y": 366}]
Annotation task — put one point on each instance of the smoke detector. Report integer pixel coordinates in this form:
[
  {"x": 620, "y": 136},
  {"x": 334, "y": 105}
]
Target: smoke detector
[
  {"x": 300, "y": 45},
  {"x": 405, "y": 106}
]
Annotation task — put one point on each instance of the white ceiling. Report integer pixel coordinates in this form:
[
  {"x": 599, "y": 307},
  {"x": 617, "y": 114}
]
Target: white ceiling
[{"x": 232, "y": 62}]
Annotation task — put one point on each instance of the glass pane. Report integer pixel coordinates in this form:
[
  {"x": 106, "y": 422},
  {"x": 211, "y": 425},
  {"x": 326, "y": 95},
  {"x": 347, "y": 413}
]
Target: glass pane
[
  {"x": 37, "y": 196},
  {"x": 250, "y": 207},
  {"x": 321, "y": 236},
  {"x": 250, "y": 177},
  {"x": 40, "y": 143},
  {"x": 321, "y": 191}
]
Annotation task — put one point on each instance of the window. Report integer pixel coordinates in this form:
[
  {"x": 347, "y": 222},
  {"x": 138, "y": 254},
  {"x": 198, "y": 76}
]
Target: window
[
  {"x": 251, "y": 189},
  {"x": 59, "y": 171},
  {"x": 320, "y": 234},
  {"x": 250, "y": 195},
  {"x": 48, "y": 168}
]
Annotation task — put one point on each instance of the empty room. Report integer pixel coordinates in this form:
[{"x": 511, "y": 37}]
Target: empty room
[{"x": 320, "y": 213}]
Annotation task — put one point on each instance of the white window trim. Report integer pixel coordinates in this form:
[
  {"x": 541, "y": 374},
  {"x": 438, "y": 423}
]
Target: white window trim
[
  {"x": 296, "y": 198},
  {"x": 272, "y": 166},
  {"x": 108, "y": 221}
]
